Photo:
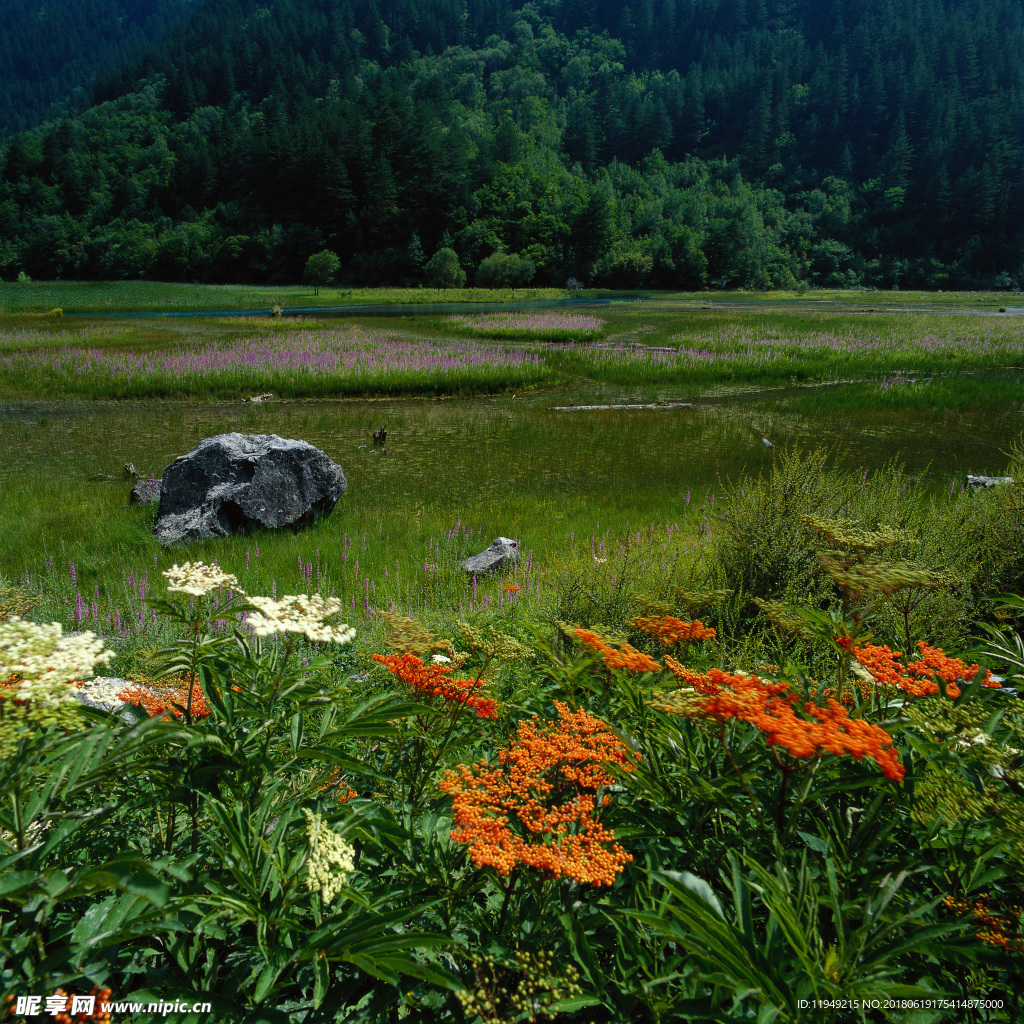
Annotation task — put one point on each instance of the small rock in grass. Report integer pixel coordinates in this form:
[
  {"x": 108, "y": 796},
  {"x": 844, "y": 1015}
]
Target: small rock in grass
[
  {"x": 980, "y": 483},
  {"x": 502, "y": 552},
  {"x": 145, "y": 492}
]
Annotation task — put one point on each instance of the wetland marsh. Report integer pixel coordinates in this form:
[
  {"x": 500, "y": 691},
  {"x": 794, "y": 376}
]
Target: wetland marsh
[{"x": 474, "y": 437}]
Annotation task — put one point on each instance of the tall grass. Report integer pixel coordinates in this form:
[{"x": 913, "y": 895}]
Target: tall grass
[
  {"x": 298, "y": 364},
  {"x": 93, "y": 563},
  {"x": 790, "y": 347},
  {"x": 924, "y": 396}
]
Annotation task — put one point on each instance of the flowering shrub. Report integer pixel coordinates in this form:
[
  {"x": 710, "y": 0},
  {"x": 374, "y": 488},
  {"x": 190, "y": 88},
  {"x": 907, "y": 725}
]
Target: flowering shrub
[
  {"x": 919, "y": 678},
  {"x": 538, "y": 807},
  {"x": 513, "y": 832},
  {"x": 623, "y": 656},
  {"x": 773, "y": 710},
  {"x": 38, "y": 665},
  {"x": 330, "y": 858},
  {"x": 672, "y": 631},
  {"x": 436, "y": 680},
  {"x": 168, "y": 698},
  {"x": 301, "y": 613}
]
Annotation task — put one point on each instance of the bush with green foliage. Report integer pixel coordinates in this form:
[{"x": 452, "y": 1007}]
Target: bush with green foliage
[
  {"x": 505, "y": 270},
  {"x": 321, "y": 268},
  {"x": 443, "y": 270}
]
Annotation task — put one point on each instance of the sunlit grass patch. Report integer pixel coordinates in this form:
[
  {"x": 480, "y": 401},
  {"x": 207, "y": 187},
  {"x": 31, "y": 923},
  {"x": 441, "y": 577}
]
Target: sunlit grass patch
[
  {"x": 555, "y": 325},
  {"x": 918, "y": 394}
]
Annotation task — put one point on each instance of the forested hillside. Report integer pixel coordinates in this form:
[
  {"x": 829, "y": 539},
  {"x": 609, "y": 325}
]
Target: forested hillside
[
  {"x": 50, "y": 52},
  {"x": 667, "y": 143}
]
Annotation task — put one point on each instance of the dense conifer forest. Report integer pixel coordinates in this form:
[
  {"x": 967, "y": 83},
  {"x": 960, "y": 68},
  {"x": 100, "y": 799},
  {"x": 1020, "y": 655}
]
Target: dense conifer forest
[
  {"x": 656, "y": 143},
  {"x": 50, "y": 52}
]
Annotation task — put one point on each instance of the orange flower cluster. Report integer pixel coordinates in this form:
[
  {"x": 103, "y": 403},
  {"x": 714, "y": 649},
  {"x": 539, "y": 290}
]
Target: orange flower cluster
[
  {"x": 699, "y": 681},
  {"x": 343, "y": 791},
  {"x": 989, "y": 927},
  {"x": 671, "y": 631},
  {"x": 8, "y": 685},
  {"x": 437, "y": 681},
  {"x": 918, "y": 678},
  {"x": 511, "y": 588},
  {"x": 626, "y": 656},
  {"x": 159, "y": 699},
  {"x": 772, "y": 709},
  {"x": 538, "y": 806}
]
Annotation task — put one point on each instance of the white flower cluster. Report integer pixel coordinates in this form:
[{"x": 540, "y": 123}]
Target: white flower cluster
[
  {"x": 198, "y": 579},
  {"x": 299, "y": 613},
  {"x": 104, "y": 691},
  {"x": 331, "y": 858},
  {"x": 42, "y": 657},
  {"x": 34, "y": 833}
]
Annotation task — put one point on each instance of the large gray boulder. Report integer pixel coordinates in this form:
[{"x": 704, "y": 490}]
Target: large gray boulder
[
  {"x": 238, "y": 482},
  {"x": 502, "y": 552}
]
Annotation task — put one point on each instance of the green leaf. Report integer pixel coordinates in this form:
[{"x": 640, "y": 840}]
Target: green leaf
[
  {"x": 816, "y": 843},
  {"x": 321, "y": 979},
  {"x": 695, "y": 885},
  {"x": 269, "y": 975}
]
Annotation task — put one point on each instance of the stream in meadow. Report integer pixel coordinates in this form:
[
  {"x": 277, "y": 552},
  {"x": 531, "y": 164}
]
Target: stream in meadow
[{"x": 657, "y": 304}]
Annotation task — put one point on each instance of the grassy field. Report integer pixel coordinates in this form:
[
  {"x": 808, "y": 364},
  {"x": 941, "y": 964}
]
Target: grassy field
[
  {"x": 557, "y": 790},
  {"x": 926, "y": 365},
  {"x": 935, "y": 397},
  {"x": 154, "y": 296}
]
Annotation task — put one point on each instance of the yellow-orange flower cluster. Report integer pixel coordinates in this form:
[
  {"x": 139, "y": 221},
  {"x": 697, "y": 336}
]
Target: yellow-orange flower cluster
[
  {"x": 918, "y": 678},
  {"x": 996, "y": 930},
  {"x": 537, "y": 807},
  {"x": 437, "y": 681},
  {"x": 159, "y": 699},
  {"x": 672, "y": 631},
  {"x": 342, "y": 791},
  {"x": 625, "y": 656},
  {"x": 771, "y": 708},
  {"x": 690, "y": 677}
]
